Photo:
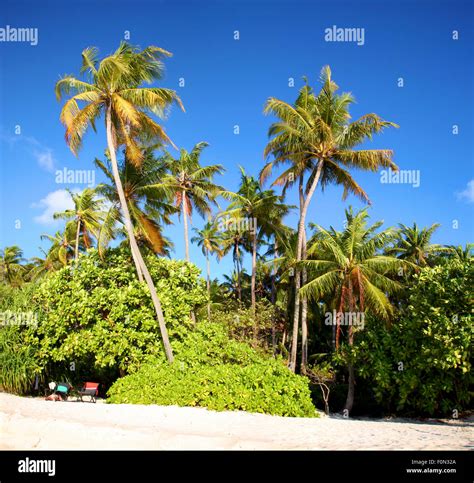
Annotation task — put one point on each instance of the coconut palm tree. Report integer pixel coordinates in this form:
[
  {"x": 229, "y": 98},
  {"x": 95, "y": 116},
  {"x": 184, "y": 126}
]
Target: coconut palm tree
[
  {"x": 209, "y": 239},
  {"x": 114, "y": 88},
  {"x": 463, "y": 254},
  {"x": 315, "y": 136},
  {"x": 39, "y": 267},
  {"x": 414, "y": 244},
  {"x": 87, "y": 214},
  {"x": 254, "y": 207},
  {"x": 191, "y": 185},
  {"x": 235, "y": 240},
  {"x": 62, "y": 245},
  {"x": 349, "y": 267},
  {"x": 11, "y": 265},
  {"x": 148, "y": 205}
]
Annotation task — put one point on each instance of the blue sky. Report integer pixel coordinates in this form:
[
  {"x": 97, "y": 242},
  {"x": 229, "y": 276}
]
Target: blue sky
[{"x": 227, "y": 82}]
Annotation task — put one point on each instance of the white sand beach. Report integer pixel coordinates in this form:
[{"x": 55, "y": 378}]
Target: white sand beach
[{"x": 32, "y": 423}]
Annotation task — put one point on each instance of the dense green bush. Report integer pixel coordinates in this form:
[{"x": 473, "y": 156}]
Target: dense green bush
[
  {"x": 17, "y": 361},
  {"x": 99, "y": 308},
  {"x": 241, "y": 323},
  {"x": 216, "y": 372},
  {"x": 422, "y": 363}
]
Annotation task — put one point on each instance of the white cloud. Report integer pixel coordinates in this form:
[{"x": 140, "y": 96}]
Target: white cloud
[
  {"x": 43, "y": 155},
  {"x": 56, "y": 201},
  {"x": 45, "y": 159},
  {"x": 468, "y": 193}
]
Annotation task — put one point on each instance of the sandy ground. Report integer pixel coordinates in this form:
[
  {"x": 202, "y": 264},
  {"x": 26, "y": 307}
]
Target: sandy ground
[{"x": 27, "y": 423}]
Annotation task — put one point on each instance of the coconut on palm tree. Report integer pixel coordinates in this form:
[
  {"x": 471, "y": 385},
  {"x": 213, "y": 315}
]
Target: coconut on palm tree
[
  {"x": 317, "y": 138},
  {"x": 191, "y": 185},
  {"x": 209, "y": 239},
  {"x": 114, "y": 88},
  {"x": 349, "y": 267}
]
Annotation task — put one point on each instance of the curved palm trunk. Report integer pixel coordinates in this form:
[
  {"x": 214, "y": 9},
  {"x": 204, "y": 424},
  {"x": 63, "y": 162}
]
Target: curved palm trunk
[
  {"x": 208, "y": 285},
  {"x": 301, "y": 228},
  {"x": 133, "y": 242},
  {"x": 78, "y": 231},
  {"x": 252, "y": 288}
]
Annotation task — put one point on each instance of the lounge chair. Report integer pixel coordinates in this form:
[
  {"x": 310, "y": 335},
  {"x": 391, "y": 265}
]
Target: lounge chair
[{"x": 90, "y": 389}]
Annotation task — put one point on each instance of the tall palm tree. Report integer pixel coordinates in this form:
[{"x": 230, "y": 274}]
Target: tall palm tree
[
  {"x": 11, "y": 268},
  {"x": 315, "y": 136},
  {"x": 209, "y": 239},
  {"x": 87, "y": 214},
  {"x": 414, "y": 244},
  {"x": 114, "y": 87},
  {"x": 191, "y": 185},
  {"x": 148, "y": 205},
  {"x": 463, "y": 254},
  {"x": 254, "y": 206},
  {"x": 234, "y": 239},
  {"x": 348, "y": 266}
]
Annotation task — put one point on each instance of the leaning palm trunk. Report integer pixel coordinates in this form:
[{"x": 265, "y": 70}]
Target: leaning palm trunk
[
  {"x": 301, "y": 229},
  {"x": 133, "y": 243},
  {"x": 254, "y": 276}
]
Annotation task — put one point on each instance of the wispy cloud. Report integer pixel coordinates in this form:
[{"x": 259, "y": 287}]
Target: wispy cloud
[
  {"x": 43, "y": 155},
  {"x": 468, "y": 193},
  {"x": 53, "y": 202}
]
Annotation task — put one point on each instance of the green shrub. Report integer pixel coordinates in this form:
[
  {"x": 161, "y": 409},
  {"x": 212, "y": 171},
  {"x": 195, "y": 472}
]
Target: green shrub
[
  {"x": 97, "y": 313},
  {"x": 17, "y": 361},
  {"x": 422, "y": 363},
  {"x": 216, "y": 372}
]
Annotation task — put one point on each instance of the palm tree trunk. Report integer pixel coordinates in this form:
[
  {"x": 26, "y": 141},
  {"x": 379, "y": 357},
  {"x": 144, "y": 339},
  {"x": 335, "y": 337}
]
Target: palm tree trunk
[
  {"x": 78, "y": 231},
  {"x": 252, "y": 288},
  {"x": 273, "y": 297},
  {"x": 133, "y": 242},
  {"x": 304, "y": 313},
  {"x": 185, "y": 221},
  {"x": 351, "y": 382},
  {"x": 208, "y": 285},
  {"x": 301, "y": 228}
]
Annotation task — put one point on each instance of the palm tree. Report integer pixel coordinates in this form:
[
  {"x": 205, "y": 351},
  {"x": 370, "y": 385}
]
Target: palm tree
[
  {"x": 87, "y": 215},
  {"x": 62, "y": 245},
  {"x": 463, "y": 254},
  {"x": 414, "y": 244},
  {"x": 11, "y": 268},
  {"x": 235, "y": 240},
  {"x": 42, "y": 266},
  {"x": 348, "y": 267},
  {"x": 316, "y": 137},
  {"x": 114, "y": 88},
  {"x": 191, "y": 185},
  {"x": 253, "y": 206},
  {"x": 148, "y": 205},
  {"x": 209, "y": 239}
]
